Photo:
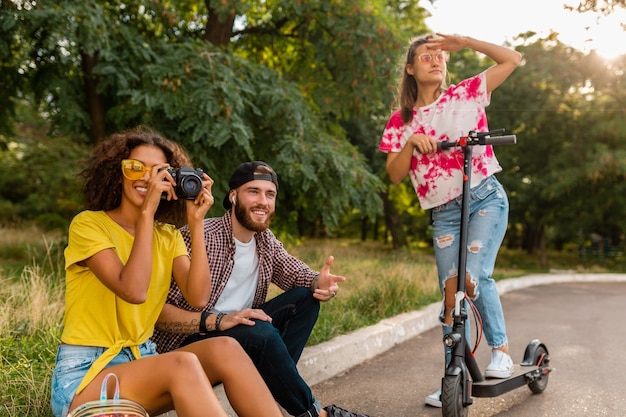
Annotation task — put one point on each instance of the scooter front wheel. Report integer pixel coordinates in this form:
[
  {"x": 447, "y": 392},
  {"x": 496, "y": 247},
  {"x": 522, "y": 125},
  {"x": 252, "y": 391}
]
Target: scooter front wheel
[
  {"x": 452, "y": 397},
  {"x": 542, "y": 359}
]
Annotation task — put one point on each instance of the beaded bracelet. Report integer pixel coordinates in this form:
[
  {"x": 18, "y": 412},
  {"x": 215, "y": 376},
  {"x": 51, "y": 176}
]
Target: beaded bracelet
[{"x": 218, "y": 320}]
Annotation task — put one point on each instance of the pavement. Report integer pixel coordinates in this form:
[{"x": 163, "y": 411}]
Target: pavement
[{"x": 321, "y": 365}]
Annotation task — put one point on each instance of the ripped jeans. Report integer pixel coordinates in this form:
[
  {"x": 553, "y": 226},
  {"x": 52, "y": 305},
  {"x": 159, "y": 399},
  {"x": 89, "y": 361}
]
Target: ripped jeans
[{"x": 488, "y": 218}]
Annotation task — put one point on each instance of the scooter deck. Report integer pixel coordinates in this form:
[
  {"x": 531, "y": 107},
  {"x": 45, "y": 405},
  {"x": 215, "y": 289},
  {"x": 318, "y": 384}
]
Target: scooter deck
[{"x": 492, "y": 387}]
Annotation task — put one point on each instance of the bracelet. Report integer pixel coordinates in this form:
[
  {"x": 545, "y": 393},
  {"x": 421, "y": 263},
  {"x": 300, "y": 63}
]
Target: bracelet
[
  {"x": 203, "y": 316},
  {"x": 218, "y": 320}
]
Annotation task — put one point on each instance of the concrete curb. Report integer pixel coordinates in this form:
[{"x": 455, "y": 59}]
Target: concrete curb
[
  {"x": 321, "y": 362},
  {"x": 325, "y": 360}
]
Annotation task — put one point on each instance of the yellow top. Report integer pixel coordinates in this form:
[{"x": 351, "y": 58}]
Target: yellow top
[{"x": 94, "y": 315}]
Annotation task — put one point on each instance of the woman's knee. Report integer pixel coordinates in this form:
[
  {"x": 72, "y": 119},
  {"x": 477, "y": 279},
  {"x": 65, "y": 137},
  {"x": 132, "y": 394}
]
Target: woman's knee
[
  {"x": 222, "y": 348},
  {"x": 181, "y": 359},
  {"x": 471, "y": 286},
  {"x": 220, "y": 355},
  {"x": 181, "y": 366}
]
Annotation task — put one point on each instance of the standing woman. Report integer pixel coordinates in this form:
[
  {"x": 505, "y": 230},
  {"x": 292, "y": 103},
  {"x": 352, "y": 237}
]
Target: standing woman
[
  {"x": 122, "y": 252},
  {"x": 429, "y": 113}
]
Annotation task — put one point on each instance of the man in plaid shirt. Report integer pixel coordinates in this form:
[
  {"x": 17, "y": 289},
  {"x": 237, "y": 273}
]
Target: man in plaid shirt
[{"x": 245, "y": 257}]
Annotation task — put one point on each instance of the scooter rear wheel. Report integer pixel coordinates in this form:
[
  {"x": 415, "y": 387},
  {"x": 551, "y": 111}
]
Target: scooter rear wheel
[
  {"x": 541, "y": 359},
  {"x": 452, "y": 397}
]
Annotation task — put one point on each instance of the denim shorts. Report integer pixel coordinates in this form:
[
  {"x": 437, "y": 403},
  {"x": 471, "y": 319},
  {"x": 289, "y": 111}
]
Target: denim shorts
[{"x": 73, "y": 362}]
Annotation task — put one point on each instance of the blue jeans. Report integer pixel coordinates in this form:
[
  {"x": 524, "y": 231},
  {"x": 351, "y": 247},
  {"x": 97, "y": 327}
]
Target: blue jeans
[
  {"x": 73, "y": 362},
  {"x": 488, "y": 218},
  {"x": 275, "y": 347}
]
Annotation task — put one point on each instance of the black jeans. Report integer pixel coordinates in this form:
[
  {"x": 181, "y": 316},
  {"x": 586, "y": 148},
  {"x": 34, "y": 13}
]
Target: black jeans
[{"x": 275, "y": 347}]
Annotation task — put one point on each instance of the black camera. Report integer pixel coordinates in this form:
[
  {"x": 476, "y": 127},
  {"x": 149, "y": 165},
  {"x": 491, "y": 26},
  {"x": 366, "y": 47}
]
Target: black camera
[{"x": 188, "y": 182}]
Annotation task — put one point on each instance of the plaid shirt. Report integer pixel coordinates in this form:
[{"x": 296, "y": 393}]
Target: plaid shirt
[{"x": 275, "y": 266}]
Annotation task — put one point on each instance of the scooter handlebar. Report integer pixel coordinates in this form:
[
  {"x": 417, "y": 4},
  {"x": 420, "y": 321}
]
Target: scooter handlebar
[
  {"x": 498, "y": 140},
  {"x": 482, "y": 140}
]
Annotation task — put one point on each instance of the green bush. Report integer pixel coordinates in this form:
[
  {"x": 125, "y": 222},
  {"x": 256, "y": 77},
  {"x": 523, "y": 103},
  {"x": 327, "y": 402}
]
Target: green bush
[
  {"x": 9, "y": 213},
  {"x": 38, "y": 178},
  {"x": 52, "y": 221}
]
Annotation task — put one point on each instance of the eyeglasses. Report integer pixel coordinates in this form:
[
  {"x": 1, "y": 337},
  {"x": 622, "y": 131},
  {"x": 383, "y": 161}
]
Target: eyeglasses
[
  {"x": 440, "y": 57},
  {"x": 134, "y": 169}
]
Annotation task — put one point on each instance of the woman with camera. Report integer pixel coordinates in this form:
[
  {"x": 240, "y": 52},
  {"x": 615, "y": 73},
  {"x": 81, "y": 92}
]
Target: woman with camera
[{"x": 122, "y": 253}]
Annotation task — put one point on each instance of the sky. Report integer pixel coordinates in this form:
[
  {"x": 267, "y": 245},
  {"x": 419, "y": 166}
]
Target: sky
[{"x": 498, "y": 21}]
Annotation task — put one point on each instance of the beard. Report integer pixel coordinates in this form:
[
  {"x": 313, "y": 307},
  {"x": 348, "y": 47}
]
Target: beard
[{"x": 243, "y": 217}]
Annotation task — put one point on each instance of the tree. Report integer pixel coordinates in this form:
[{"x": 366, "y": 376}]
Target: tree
[
  {"x": 565, "y": 107},
  {"x": 232, "y": 81}
]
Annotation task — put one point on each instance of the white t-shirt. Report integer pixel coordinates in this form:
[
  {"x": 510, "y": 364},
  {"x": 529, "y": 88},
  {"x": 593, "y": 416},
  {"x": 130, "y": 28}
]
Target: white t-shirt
[{"x": 239, "y": 291}]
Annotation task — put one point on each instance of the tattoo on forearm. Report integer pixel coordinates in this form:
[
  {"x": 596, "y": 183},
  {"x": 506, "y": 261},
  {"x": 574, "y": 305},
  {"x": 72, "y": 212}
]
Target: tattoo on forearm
[{"x": 179, "y": 327}]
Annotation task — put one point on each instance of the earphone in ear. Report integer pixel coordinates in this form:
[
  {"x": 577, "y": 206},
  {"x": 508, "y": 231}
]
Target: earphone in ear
[{"x": 232, "y": 200}]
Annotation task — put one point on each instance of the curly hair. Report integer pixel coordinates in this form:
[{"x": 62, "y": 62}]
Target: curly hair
[
  {"x": 407, "y": 91},
  {"x": 102, "y": 188}
]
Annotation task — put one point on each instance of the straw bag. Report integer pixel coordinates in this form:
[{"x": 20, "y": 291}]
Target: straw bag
[{"x": 109, "y": 408}]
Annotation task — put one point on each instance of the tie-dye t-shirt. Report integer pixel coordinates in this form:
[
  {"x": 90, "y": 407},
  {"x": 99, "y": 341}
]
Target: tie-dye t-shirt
[{"x": 437, "y": 178}]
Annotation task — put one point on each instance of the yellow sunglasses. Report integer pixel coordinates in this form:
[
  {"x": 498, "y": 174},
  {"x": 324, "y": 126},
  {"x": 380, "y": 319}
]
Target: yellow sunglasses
[{"x": 134, "y": 169}]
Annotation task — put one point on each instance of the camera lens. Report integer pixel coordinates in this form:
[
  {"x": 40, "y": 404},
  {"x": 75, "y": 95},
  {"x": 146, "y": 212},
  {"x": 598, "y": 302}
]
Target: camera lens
[{"x": 191, "y": 185}]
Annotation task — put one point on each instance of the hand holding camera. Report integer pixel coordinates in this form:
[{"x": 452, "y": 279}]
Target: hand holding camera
[
  {"x": 188, "y": 182},
  {"x": 193, "y": 185}
]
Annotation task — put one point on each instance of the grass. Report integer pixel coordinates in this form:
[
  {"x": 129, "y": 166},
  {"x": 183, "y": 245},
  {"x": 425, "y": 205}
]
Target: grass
[
  {"x": 28, "y": 245},
  {"x": 31, "y": 309},
  {"x": 380, "y": 283}
]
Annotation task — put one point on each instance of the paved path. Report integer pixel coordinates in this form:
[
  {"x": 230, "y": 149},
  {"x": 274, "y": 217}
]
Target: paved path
[{"x": 581, "y": 323}]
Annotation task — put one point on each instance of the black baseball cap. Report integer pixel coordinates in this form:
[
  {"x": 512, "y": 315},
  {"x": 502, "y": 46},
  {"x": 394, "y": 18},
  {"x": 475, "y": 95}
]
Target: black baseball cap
[{"x": 245, "y": 173}]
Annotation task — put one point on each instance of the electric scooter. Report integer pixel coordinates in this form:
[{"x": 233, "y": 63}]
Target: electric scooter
[{"x": 463, "y": 377}]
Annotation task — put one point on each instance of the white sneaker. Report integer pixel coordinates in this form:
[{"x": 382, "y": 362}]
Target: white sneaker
[
  {"x": 434, "y": 399},
  {"x": 501, "y": 365}
]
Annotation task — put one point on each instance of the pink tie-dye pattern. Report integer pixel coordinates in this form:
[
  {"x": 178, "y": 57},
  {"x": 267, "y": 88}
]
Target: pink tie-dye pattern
[
  {"x": 437, "y": 178},
  {"x": 473, "y": 88}
]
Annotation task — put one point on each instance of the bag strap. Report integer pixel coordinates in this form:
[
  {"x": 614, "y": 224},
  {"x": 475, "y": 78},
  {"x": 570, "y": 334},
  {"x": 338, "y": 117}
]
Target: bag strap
[{"x": 103, "y": 390}]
